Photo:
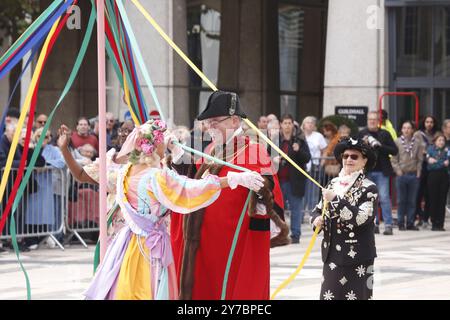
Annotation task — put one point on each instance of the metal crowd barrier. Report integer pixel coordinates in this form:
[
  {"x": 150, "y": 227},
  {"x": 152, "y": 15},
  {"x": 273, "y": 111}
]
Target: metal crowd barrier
[
  {"x": 82, "y": 208},
  {"x": 54, "y": 204},
  {"x": 40, "y": 212},
  {"x": 313, "y": 193}
]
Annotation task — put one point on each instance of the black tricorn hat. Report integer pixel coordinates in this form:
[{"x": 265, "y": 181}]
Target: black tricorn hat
[
  {"x": 356, "y": 144},
  {"x": 222, "y": 103}
]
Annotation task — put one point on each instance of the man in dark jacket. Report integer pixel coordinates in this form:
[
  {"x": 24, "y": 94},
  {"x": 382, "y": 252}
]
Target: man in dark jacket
[
  {"x": 5, "y": 146},
  {"x": 292, "y": 181},
  {"x": 381, "y": 141}
]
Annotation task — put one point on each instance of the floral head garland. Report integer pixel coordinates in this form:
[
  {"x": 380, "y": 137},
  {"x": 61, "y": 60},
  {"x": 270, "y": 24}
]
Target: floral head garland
[{"x": 149, "y": 135}]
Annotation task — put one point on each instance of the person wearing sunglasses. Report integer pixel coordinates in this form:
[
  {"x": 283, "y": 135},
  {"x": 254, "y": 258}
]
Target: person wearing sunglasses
[
  {"x": 348, "y": 245},
  {"x": 40, "y": 121}
]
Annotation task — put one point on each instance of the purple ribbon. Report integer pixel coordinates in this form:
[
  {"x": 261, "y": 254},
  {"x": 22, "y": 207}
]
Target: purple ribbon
[{"x": 158, "y": 241}]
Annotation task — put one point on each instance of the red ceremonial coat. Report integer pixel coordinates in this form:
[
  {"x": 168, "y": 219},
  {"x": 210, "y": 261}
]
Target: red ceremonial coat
[{"x": 249, "y": 276}]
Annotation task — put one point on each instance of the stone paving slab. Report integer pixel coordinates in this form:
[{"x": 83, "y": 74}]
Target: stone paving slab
[{"x": 410, "y": 265}]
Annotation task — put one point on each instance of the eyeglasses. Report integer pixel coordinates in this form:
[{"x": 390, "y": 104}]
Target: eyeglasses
[
  {"x": 345, "y": 156},
  {"x": 215, "y": 122},
  {"x": 123, "y": 131},
  {"x": 110, "y": 120},
  {"x": 42, "y": 122}
]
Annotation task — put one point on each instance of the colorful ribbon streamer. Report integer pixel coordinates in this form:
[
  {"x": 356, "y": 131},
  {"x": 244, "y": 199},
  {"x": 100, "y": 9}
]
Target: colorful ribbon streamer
[{"x": 214, "y": 88}]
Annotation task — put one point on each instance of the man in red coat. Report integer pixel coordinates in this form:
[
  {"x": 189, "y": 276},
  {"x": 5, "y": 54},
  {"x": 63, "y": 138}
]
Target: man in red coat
[{"x": 208, "y": 233}]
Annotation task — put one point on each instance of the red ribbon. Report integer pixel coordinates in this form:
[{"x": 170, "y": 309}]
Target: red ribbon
[{"x": 23, "y": 160}]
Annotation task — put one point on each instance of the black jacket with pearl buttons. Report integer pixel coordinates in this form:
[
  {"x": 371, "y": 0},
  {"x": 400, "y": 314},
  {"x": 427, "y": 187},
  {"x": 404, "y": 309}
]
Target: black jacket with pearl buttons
[{"x": 349, "y": 224}]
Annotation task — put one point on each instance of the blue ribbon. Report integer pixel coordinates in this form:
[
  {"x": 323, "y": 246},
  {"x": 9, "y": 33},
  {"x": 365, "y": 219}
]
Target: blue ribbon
[
  {"x": 35, "y": 38},
  {"x": 33, "y": 53},
  {"x": 140, "y": 59}
]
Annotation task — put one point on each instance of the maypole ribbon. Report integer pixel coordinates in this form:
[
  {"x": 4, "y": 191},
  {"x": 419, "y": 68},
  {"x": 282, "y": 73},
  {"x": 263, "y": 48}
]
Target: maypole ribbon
[
  {"x": 69, "y": 83},
  {"x": 30, "y": 30},
  {"x": 214, "y": 88},
  {"x": 25, "y": 108},
  {"x": 172, "y": 44},
  {"x": 17, "y": 56},
  {"x": 140, "y": 60},
  {"x": 27, "y": 64},
  {"x": 15, "y": 142},
  {"x": 127, "y": 80},
  {"x": 305, "y": 257},
  {"x": 23, "y": 161}
]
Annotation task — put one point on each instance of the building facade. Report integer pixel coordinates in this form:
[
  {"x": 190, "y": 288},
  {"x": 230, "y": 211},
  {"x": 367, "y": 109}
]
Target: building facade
[{"x": 304, "y": 57}]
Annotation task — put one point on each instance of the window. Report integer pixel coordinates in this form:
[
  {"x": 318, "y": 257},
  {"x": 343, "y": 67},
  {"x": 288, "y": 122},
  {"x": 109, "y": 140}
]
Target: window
[
  {"x": 414, "y": 38},
  {"x": 290, "y": 44},
  {"x": 203, "y": 33}
]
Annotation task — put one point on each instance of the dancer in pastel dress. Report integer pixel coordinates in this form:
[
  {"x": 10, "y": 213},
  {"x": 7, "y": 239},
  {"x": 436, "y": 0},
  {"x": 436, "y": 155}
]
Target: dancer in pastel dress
[{"x": 139, "y": 263}]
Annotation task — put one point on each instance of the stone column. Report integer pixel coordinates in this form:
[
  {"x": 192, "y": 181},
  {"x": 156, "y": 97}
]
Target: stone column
[
  {"x": 354, "y": 66},
  {"x": 249, "y": 54}
]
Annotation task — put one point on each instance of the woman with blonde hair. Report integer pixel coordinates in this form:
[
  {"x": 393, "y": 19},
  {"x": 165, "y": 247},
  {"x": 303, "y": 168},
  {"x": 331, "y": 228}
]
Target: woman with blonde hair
[{"x": 139, "y": 263}]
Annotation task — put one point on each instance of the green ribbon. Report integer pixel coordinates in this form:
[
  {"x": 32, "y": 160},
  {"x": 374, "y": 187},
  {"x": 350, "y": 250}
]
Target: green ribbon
[
  {"x": 114, "y": 28},
  {"x": 233, "y": 248},
  {"x": 30, "y": 30},
  {"x": 109, "y": 218},
  {"x": 38, "y": 147},
  {"x": 137, "y": 51}
]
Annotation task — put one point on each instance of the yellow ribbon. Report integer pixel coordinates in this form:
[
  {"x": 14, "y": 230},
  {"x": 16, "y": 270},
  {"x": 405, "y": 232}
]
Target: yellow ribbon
[
  {"x": 214, "y": 88},
  {"x": 305, "y": 257},
  {"x": 173, "y": 45},
  {"x": 25, "y": 109}
]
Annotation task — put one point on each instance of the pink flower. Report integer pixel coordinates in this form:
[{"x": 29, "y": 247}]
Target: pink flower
[
  {"x": 148, "y": 149},
  {"x": 159, "y": 137},
  {"x": 159, "y": 123}
]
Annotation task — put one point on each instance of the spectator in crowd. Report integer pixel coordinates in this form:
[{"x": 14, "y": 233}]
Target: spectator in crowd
[
  {"x": 111, "y": 129},
  {"x": 381, "y": 141},
  {"x": 292, "y": 181},
  {"x": 82, "y": 136},
  {"x": 386, "y": 124},
  {"x": 122, "y": 133},
  {"x": 317, "y": 145},
  {"x": 40, "y": 121},
  {"x": 54, "y": 159},
  {"x": 437, "y": 182},
  {"x": 344, "y": 131},
  {"x": 262, "y": 123},
  {"x": 88, "y": 152},
  {"x": 273, "y": 130},
  {"x": 154, "y": 115},
  {"x": 39, "y": 210},
  {"x": 200, "y": 137},
  {"x": 348, "y": 245},
  {"x": 407, "y": 165},
  {"x": 271, "y": 117},
  {"x": 427, "y": 129},
  {"x": 5, "y": 146},
  {"x": 94, "y": 127},
  {"x": 12, "y": 116},
  {"x": 182, "y": 133},
  {"x": 446, "y": 131},
  {"x": 331, "y": 166}
]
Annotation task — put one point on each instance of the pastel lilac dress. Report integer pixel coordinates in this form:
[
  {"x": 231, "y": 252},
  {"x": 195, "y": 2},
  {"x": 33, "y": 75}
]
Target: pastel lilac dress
[{"x": 139, "y": 263}]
